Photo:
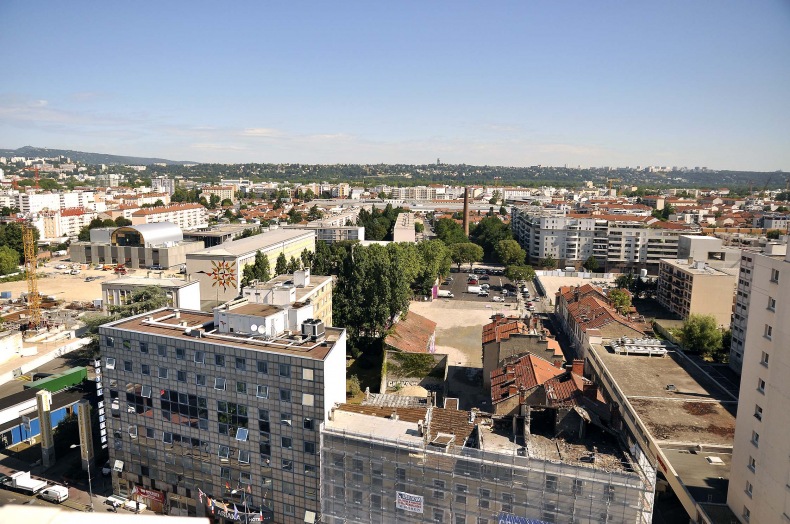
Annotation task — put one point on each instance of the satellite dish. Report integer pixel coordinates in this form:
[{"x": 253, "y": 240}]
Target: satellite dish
[
  {"x": 254, "y": 327},
  {"x": 262, "y": 329}
]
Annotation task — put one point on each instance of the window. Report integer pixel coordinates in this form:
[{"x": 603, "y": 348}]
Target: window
[
  {"x": 219, "y": 383},
  {"x": 109, "y": 363},
  {"x": 162, "y": 372},
  {"x": 609, "y": 493},
  {"x": 758, "y": 412},
  {"x": 307, "y": 374},
  {"x": 308, "y": 424},
  {"x": 484, "y": 503},
  {"x": 288, "y": 465},
  {"x": 356, "y": 497},
  {"x": 310, "y": 469},
  {"x": 400, "y": 473},
  {"x": 768, "y": 331},
  {"x": 241, "y": 364},
  {"x": 181, "y": 375},
  {"x": 752, "y": 464},
  {"x": 746, "y": 514},
  {"x": 200, "y": 357},
  {"x": 263, "y": 367},
  {"x": 262, "y": 392},
  {"x": 244, "y": 456},
  {"x": 309, "y": 448},
  {"x": 551, "y": 483},
  {"x": 438, "y": 515},
  {"x": 755, "y": 439},
  {"x": 578, "y": 487},
  {"x": 181, "y": 354},
  {"x": 375, "y": 501},
  {"x": 110, "y": 341},
  {"x": 285, "y": 395},
  {"x": 242, "y": 433},
  {"x": 219, "y": 360},
  {"x": 774, "y": 275},
  {"x": 145, "y": 369},
  {"x": 460, "y": 499},
  {"x": 285, "y": 419},
  {"x": 286, "y": 442},
  {"x": 184, "y": 409},
  {"x": 265, "y": 449},
  {"x": 231, "y": 417},
  {"x": 200, "y": 380},
  {"x": 289, "y": 509},
  {"x": 285, "y": 370},
  {"x": 749, "y": 488},
  {"x": 761, "y": 385},
  {"x": 241, "y": 387},
  {"x": 772, "y": 303},
  {"x": 150, "y": 433},
  {"x": 143, "y": 347},
  {"x": 127, "y": 365},
  {"x": 308, "y": 399},
  {"x": 764, "y": 359},
  {"x": 223, "y": 452},
  {"x": 263, "y": 420},
  {"x": 167, "y": 437},
  {"x": 224, "y": 473},
  {"x": 133, "y": 431}
]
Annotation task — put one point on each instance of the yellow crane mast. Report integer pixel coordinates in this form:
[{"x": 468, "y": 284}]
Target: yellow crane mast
[{"x": 33, "y": 298}]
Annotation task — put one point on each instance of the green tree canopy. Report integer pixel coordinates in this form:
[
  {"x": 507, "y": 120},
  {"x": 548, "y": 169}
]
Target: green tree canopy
[
  {"x": 517, "y": 273},
  {"x": 11, "y": 236},
  {"x": 549, "y": 262},
  {"x": 591, "y": 264},
  {"x": 621, "y": 300},
  {"x": 294, "y": 265},
  {"x": 487, "y": 233},
  {"x": 510, "y": 253},
  {"x": 121, "y": 221},
  {"x": 466, "y": 253},
  {"x": 450, "y": 232},
  {"x": 9, "y": 260},
  {"x": 773, "y": 234},
  {"x": 700, "y": 334},
  {"x": 281, "y": 266},
  {"x": 143, "y": 299},
  {"x": 259, "y": 270}
]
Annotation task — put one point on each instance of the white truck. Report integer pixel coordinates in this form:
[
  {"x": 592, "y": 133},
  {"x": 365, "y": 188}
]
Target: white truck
[
  {"x": 473, "y": 289},
  {"x": 22, "y": 482},
  {"x": 444, "y": 293}
]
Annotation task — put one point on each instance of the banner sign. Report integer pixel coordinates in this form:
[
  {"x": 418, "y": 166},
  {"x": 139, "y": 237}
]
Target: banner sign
[
  {"x": 508, "y": 518},
  {"x": 408, "y": 502},
  {"x": 149, "y": 494}
]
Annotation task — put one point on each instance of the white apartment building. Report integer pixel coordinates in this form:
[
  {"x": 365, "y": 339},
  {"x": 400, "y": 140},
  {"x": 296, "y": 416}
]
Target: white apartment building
[
  {"x": 37, "y": 202},
  {"x": 222, "y": 192},
  {"x": 618, "y": 242},
  {"x": 72, "y": 199},
  {"x": 760, "y": 474},
  {"x": 163, "y": 184},
  {"x": 185, "y": 216}
]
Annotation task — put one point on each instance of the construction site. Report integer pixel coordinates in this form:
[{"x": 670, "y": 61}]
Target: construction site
[{"x": 419, "y": 464}]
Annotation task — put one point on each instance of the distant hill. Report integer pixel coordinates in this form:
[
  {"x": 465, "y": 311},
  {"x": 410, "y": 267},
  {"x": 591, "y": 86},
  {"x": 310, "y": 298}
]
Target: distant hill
[{"x": 88, "y": 158}]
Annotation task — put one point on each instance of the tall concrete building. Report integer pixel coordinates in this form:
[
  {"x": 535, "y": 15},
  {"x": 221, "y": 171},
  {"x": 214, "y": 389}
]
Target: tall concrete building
[
  {"x": 760, "y": 475},
  {"x": 212, "y": 413},
  {"x": 688, "y": 286}
]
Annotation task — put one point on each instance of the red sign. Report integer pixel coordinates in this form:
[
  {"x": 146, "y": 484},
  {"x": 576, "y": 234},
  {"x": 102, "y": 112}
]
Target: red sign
[{"x": 149, "y": 494}]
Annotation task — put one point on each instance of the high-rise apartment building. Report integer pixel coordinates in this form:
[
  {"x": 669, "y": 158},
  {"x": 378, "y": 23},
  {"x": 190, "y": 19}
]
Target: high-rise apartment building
[
  {"x": 760, "y": 475},
  {"x": 213, "y": 413}
]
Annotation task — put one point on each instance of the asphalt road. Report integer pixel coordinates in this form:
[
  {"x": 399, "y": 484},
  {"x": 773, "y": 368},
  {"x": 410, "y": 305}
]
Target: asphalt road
[{"x": 497, "y": 283}]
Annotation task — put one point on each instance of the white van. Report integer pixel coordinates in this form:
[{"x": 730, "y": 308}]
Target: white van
[{"x": 56, "y": 494}]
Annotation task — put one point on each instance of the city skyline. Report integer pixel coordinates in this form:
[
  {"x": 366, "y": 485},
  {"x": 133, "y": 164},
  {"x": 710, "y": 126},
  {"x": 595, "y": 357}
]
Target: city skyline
[{"x": 512, "y": 84}]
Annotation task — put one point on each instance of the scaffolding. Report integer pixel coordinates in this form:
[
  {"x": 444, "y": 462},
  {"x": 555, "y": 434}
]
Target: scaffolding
[
  {"x": 363, "y": 474},
  {"x": 31, "y": 264}
]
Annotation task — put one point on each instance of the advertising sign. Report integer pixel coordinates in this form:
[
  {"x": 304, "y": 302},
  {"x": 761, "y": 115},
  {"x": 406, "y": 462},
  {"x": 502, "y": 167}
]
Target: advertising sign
[{"x": 408, "y": 502}]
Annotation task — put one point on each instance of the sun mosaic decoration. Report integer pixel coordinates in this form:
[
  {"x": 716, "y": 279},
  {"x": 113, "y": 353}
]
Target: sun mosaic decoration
[{"x": 224, "y": 274}]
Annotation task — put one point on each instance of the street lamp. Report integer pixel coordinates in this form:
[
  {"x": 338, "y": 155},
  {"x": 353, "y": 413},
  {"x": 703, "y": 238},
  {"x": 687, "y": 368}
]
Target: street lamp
[{"x": 90, "y": 486}]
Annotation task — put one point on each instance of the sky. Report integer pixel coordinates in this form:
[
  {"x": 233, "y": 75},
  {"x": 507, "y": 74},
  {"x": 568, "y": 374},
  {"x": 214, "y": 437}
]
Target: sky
[{"x": 604, "y": 83}]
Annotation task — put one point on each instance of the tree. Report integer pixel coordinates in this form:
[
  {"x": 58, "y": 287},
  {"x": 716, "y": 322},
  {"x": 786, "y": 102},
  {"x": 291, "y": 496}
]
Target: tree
[
  {"x": 307, "y": 257},
  {"x": 773, "y": 234},
  {"x": 510, "y": 253},
  {"x": 143, "y": 299},
  {"x": 502, "y": 210},
  {"x": 308, "y": 195},
  {"x": 121, "y": 221},
  {"x": 315, "y": 213},
  {"x": 466, "y": 253},
  {"x": 419, "y": 227},
  {"x": 625, "y": 281},
  {"x": 281, "y": 266},
  {"x": 517, "y": 273},
  {"x": 495, "y": 197},
  {"x": 591, "y": 264},
  {"x": 487, "y": 233},
  {"x": 436, "y": 263},
  {"x": 450, "y": 232},
  {"x": 226, "y": 203},
  {"x": 620, "y": 300},
  {"x": 9, "y": 260},
  {"x": 700, "y": 334},
  {"x": 11, "y": 236},
  {"x": 549, "y": 262},
  {"x": 259, "y": 270},
  {"x": 294, "y": 265}
]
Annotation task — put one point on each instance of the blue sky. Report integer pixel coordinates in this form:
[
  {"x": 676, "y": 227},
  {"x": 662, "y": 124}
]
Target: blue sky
[{"x": 702, "y": 83}]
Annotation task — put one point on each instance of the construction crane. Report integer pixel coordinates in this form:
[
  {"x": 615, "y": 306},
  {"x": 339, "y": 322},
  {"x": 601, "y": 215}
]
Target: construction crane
[
  {"x": 35, "y": 169},
  {"x": 33, "y": 298}
]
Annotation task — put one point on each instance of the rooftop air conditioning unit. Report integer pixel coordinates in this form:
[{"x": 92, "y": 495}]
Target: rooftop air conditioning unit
[{"x": 313, "y": 328}]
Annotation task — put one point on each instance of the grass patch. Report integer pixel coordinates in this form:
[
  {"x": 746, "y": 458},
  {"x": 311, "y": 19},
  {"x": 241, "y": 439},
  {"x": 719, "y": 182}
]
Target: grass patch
[{"x": 413, "y": 365}]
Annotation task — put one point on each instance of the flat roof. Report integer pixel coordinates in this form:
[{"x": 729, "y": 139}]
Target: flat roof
[
  {"x": 164, "y": 323},
  {"x": 302, "y": 292},
  {"x": 693, "y": 269},
  {"x": 386, "y": 428},
  {"x": 254, "y": 309},
  {"x": 694, "y": 410},
  {"x": 252, "y": 244},
  {"x": 704, "y": 473},
  {"x": 146, "y": 281}
]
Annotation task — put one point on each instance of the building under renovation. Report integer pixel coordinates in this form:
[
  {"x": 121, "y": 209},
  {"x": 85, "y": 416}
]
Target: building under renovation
[{"x": 422, "y": 463}]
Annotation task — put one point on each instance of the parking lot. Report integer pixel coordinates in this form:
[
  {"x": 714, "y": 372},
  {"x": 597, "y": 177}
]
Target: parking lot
[{"x": 497, "y": 284}]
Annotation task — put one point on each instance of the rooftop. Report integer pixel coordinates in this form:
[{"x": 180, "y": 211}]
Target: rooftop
[
  {"x": 186, "y": 325},
  {"x": 677, "y": 403},
  {"x": 412, "y": 334},
  {"x": 250, "y": 245},
  {"x": 146, "y": 281}
]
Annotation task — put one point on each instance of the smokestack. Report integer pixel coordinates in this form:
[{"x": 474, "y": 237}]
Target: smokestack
[{"x": 466, "y": 211}]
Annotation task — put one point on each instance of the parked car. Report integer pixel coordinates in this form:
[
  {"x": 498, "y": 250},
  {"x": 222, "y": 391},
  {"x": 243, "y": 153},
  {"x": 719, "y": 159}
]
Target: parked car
[
  {"x": 56, "y": 494},
  {"x": 483, "y": 293},
  {"x": 61, "y": 266},
  {"x": 75, "y": 271},
  {"x": 498, "y": 299},
  {"x": 472, "y": 281},
  {"x": 156, "y": 267},
  {"x": 485, "y": 286},
  {"x": 485, "y": 277}
]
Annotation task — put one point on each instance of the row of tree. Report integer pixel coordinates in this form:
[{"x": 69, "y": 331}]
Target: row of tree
[{"x": 379, "y": 223}]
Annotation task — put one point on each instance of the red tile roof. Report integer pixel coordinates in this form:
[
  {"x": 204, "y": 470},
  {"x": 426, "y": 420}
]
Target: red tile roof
[
  {"x": 527, "y": 372},
  {"x": 165, "y": 209},
  {"x": 413, "y": 334},
  {"x": 502, "y": 327}
]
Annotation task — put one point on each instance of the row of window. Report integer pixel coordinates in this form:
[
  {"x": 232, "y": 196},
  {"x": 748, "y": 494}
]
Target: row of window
[{"x": 199, "y": 357}]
